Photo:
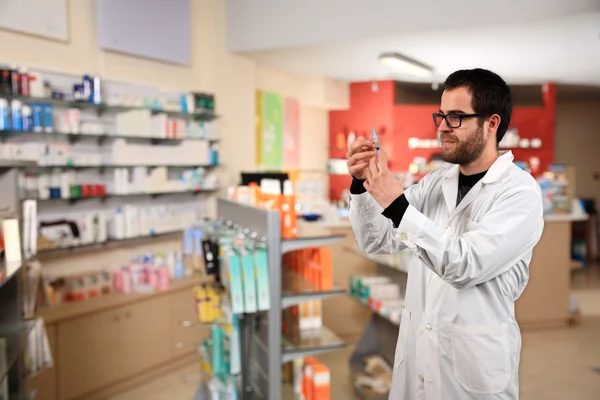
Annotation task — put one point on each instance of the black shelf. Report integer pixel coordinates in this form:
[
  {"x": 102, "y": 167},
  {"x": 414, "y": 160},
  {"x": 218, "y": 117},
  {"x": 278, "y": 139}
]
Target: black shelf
[
  {"x": 103, "y": 245},
  {"x": 15, "y": 337},
  {"x": 101, "y": 108},
  {"x": 100, "y": 137},
  {"x": 115, "y": 196},
  {"x": 8, "y": 270}
]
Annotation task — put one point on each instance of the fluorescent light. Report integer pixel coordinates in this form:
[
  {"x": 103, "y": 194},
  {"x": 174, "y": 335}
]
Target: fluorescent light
[{"x": 405, "y": 64}]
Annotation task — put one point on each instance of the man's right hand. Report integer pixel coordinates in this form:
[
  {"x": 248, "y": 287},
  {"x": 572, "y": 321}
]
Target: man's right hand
[{"x": 359, "y": 154}]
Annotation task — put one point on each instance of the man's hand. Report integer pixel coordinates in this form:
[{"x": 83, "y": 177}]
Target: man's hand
[
  {"x": 358, "y": 156},
  {"x": 380, "y": 183}
]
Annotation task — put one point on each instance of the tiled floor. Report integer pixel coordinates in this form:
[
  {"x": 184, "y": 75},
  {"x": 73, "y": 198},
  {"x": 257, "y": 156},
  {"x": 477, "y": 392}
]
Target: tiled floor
[{"x": 555, "y": 364}]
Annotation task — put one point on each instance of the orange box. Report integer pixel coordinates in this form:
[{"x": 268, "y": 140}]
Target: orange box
[
  {"x": 321, "y": 382},
  {"x": 326, "y": 278},
  {"x": 307, "y": 381}
]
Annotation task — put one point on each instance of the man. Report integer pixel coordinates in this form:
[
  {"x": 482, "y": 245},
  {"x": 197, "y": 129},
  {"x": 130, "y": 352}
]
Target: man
[{"x": 471, "y": 229}]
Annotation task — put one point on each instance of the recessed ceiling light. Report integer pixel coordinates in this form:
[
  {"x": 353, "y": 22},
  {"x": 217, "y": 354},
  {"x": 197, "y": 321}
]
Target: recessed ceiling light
[{"x": 406, "y": 64}]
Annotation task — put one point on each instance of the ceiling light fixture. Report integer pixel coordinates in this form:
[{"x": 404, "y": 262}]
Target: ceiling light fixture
[{"x": 406, "y": 65}]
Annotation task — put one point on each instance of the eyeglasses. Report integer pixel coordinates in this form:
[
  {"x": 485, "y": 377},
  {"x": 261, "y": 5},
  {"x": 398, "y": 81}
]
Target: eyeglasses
[{"x": 452, "y": 120}]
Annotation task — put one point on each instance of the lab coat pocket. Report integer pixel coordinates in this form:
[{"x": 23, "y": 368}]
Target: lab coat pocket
[
  {"x": 481, "y": 357},
  {"x": 402, "y": 336}
]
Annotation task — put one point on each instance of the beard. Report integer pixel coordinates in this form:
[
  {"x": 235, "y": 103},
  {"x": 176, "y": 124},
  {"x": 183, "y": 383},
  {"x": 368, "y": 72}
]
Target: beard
[{"x": 466, "y": 151}]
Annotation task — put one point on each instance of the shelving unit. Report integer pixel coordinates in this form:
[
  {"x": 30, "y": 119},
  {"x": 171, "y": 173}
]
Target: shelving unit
[
  {"x": 102, "y": 245},
  {"x": 94, "y": 156},
  {"x": 101, "y": 137},
  {"x": 268, "y": 349},
  {"x": 13, "y": 329},
  {"x": 71, "y": 166},
  {"x": 381, "y": 334},
  {"x": 124, "y": 196},
  {"x": 102, "y": 108}
]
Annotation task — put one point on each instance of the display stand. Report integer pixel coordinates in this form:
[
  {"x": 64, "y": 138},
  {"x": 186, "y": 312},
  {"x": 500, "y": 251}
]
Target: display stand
[
  {"x": 267, "y": 349},
  {"x": 381, "y": 334},
  {"x": 14, "y": 330}
]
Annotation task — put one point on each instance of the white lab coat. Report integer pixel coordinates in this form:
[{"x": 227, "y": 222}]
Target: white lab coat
[{"x": 458, "y": 337}]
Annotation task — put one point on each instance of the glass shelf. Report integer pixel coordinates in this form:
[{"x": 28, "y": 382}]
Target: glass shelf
[
  {"x": 15, "y": 338},
  {"x": 107, "y": 244},
  {"x": 110, "y": 196},
  {"x": 309, "y": 343},
  {"x": 73, "y": 137},
  {"x": 84, "y": 105},
  {"x": 297, "y": 290},
  {"x": 8, "y": 270}
]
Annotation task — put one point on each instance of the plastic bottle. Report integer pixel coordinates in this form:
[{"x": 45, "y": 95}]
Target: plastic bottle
[{"x": 288, "y": 212}]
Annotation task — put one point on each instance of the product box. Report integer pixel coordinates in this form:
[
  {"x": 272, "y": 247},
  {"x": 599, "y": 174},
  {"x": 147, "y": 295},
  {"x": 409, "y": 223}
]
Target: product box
[
  {"x": 236, "y": 287},
  {"x": 321, "y": 382},
  {"x": 263, "y": 281},
  {"x": 250, "y": 289}
]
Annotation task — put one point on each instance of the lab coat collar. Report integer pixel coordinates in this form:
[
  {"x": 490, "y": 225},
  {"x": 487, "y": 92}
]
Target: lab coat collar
[
  {"x": 450, "y": 183},
  {"x": 494, "y": 173}
]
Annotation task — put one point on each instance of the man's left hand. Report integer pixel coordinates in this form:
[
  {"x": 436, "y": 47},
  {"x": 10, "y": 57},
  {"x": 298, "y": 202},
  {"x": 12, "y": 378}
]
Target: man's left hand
[{"x": 380, "y": 183}]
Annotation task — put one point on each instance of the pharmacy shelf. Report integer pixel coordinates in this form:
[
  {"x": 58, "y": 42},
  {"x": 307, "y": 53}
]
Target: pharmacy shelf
[
  {"x": 303, "y": 291},
  {"x": 74, "y": 166},
  {"x": 311, "y": 342},
  {"x": 269, "y": 349},
  {"x": 76, "y": 309},
  {"x": 130, "y": 195},
  {"x": 310, "y": 236},
  {"x": 100, "y": 137},
  {"x": 102, "y": 108},
  {"x": 15, "y": 336},
  {"x": 8, "y": 270},
  {"x": 108, "y": 244},
  {"x": 375, "y": 312},
  {"x": 17, "y": 163}
]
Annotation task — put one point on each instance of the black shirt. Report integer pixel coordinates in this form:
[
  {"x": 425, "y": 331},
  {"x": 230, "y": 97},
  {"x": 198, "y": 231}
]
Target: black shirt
[{"x": 465, "y": 183}]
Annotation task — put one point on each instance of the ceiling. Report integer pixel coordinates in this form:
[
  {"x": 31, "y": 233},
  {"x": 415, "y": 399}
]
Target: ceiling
[{"x": 533, "y": 48}]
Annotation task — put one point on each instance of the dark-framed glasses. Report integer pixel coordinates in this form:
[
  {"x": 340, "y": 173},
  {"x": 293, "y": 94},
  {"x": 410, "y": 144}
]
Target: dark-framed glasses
[{"x": 452, "y": 120}]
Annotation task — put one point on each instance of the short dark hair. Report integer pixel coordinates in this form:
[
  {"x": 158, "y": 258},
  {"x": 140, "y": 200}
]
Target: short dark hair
[{"x": 491, "y": 94}]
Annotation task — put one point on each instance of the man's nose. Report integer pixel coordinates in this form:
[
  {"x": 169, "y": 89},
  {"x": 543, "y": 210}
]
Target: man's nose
[{"x": 444, "y": 126}]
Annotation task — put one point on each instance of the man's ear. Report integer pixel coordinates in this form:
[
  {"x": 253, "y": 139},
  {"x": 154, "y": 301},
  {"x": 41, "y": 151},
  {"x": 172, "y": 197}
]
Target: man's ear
[{"x": 493, "y": 124}]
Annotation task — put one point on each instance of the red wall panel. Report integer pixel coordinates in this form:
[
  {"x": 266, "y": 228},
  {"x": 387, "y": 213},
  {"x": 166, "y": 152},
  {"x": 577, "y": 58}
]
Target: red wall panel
[
  {"x": 411, "y": 121},
  {"x": 395, "y": 124},
  {"x": 368, "y": 108}
]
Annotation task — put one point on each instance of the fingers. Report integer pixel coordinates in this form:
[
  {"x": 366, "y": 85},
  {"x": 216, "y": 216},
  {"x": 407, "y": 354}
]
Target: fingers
[
  {"x": 367, "y": 185},
  {"x": 357, "y": 169},
  {"x": 358, "y": 157},
  {"x": 373, "y": 166},
  {"x": 359, "y": 145},
  {"x": 383, "y": 161},
  {"x": 368, "y": 173}
]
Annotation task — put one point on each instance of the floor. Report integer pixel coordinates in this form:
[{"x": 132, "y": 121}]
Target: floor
[{"x": 555, "y": 364}]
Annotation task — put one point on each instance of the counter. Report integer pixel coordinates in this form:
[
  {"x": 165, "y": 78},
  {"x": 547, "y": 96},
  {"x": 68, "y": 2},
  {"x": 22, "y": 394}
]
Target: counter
[{"x": 545, "y": 301}]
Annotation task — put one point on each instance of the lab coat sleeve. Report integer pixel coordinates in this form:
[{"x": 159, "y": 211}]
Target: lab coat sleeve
[
  {"x": 375, "y": 234},
  {"x": 490, "y": 247}
]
